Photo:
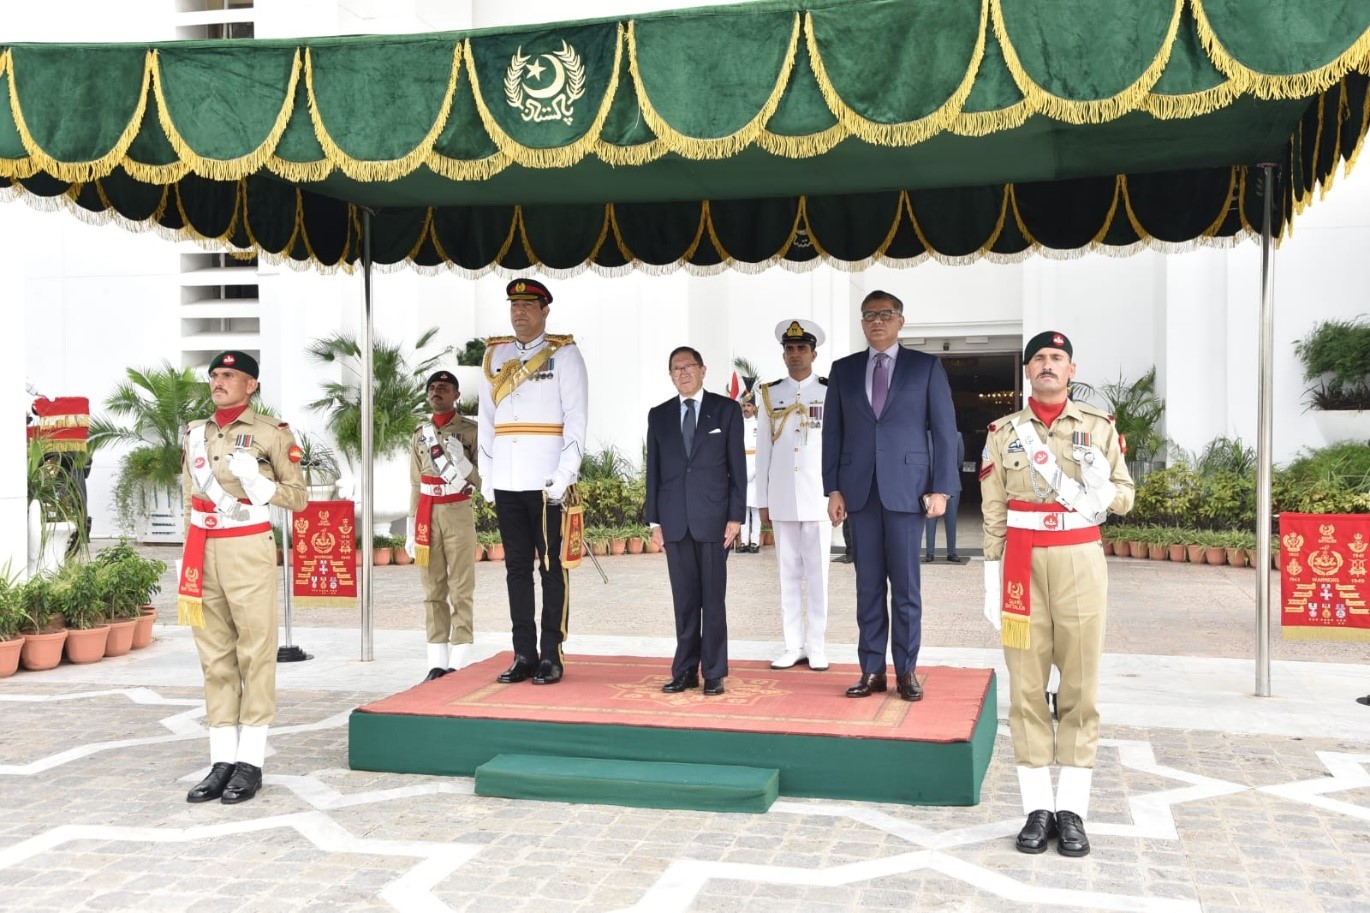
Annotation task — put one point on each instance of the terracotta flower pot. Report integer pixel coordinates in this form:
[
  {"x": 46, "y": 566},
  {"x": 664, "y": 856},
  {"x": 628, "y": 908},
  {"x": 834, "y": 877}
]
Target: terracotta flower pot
[
  {"x": 9, "y": 656},
  {"x": 635, "y": 545},
  {"x": 87, "y": 645},
  {"x": 1251, "y": 557},
  {"x": 1195, "y": 553},
  {"x": 1176, "y": 553},
  {"x": 1236, "y": 557},
  {"x": 1215, "y": 555},
  {"x": 651, "y": 547},
  {"x": 120, "y": 639},
  {"x": 1107, "y": 546},
  {"x": 1155, "y": 551},
  {"x": 618, "y": 546},
  {"x": 1136, "y": 549},
  {"x": 400, "y": 556},
  {"x": 42, "y": 651},
  {"x": 381, "y": 556},
  {"x": 142, "y": 631},
  {"x": 767, "y": 537},
  {"x": 495, "y": 552},
  {"x": 480, "y": 553}
]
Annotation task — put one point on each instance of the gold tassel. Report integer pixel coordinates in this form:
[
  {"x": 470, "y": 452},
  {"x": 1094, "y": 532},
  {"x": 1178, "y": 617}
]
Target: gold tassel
[
  {"x": 190, "y": 611},
  {"x": 421, "y": 555},
  {"x": 1016, "y": 633}
]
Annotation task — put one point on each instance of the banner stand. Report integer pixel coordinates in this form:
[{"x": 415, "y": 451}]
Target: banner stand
[{"x": 287, "y": 652}]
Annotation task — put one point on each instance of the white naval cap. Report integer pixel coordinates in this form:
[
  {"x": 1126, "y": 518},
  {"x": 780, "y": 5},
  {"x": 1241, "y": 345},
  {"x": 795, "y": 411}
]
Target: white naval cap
[{"x": 799, "y": 330}]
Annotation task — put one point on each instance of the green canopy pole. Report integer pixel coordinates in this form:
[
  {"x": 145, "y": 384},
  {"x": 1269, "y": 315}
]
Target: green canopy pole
[
  {"x": 1264, "y": 417},
  {"x": 368, "y": 433}
]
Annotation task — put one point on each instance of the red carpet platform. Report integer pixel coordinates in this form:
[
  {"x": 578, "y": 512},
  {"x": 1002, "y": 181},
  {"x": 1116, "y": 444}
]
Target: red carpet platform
[{"x": 934, "y": 752}]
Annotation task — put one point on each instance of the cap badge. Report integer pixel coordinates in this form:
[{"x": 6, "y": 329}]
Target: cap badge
[
  {"x": 1058, "y": 340},
  {"x": 230, "y": 360}
]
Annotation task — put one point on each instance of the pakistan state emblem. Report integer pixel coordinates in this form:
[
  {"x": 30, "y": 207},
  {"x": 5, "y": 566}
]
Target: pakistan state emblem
[{"x": 545, "y": 87}]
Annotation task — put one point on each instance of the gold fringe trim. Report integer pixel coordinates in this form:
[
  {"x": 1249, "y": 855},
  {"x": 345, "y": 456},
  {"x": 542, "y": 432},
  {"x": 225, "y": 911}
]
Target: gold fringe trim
[
  {"x": 983, "y": 123},
  {"x": 1196, "y": 104},
  {"x": 721, "y": 147},
  {"x": 911, "y": 132},
  {"x": 421, "y": 555},
  {"x": 75, "y": 172},
  {"x": 190, "y": 611},
  {"x": 324, "y": 602},
  {"x": 1093, "y": 111},
  {"x": 560, "y": 156},
  {"x": 222, "y": 169},
  {"x": 1308, "y": 632},
  {"x": 1271, "y": 86},
  {"x": 1360, "y": 143},
  {"x": 801, "y": 147},
  {"x": 392, "y": 169},
  {"x": 1015, "y": 633}
]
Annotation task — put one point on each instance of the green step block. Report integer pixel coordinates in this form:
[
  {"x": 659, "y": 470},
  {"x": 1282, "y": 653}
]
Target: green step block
[{"x": 639, "y": 784}]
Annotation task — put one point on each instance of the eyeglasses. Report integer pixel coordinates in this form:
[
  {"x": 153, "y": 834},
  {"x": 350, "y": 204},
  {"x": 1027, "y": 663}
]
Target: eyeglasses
[
  {"x": 882, "y": 316},
  {"x": 685, "y": 369}
]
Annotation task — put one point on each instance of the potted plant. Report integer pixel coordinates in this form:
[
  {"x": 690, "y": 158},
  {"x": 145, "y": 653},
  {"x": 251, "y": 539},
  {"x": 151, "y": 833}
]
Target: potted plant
[
  {"x": 494, "y": 547},
  {"x": 637, "y": 539},
  {"x": 57, "y": 505},
  {"x": 1336, "y": 358},
  {"x": 156, "y": 404},
  {"x": 12, "y": 620},
  {"x": 1214, "y": 551},
  {"x": 618, "y": 540},
  {"x": 397, "y": 553},
  {"x": 1137, "y": 411},
  {"x": 44, "y": 634},
  {"x": 319, "y": 463},
  {"x": 1194, "y": 549},
  {"x": 76, "y": 592},
  {"x": 129, "y": 581},
  {"x": 380, "y": 550}
]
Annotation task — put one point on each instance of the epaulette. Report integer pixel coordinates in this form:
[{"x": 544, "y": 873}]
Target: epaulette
[
  {"x": 196, "y": 423},
  {"x": 823, "y": 381},
  {"x": 774, "y": 382},
  {"x": 561, "y": 339},
  {"x": 498, "y": 340},
  {"x": 283, "y": 425},
  {"x": 1095, "y": 411}
]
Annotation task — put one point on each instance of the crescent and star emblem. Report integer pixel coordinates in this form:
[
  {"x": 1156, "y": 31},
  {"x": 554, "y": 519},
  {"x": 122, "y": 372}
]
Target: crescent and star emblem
[{"x": 546, "y": 86}]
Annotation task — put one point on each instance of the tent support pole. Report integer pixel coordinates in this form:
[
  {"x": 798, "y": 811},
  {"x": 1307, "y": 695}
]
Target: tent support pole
[
  {"x": 1264, "y": 438},
  {"x": 365, "y": 489}
]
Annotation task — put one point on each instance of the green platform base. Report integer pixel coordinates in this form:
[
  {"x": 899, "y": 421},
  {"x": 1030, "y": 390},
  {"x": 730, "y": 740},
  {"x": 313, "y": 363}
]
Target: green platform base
[{"x": 637, "y": 784}]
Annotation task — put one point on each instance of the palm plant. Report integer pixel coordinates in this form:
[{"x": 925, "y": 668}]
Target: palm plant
[
  {"x": 398, "y": 395},
  {"x": 157, "y": 403},
  {"x": 1137, "y": 411}
]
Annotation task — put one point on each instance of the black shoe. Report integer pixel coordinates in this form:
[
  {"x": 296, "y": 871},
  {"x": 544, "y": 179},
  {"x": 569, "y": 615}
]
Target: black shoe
[
  {"x": 243, "y": 785},
  {"x": 436, "y": 673},
  {"x": 870, "y": 682},
  {"x": 908, "y": 686},
  {"x": 549, "y": 673},
  {"x": 957, "y": 559},
  {"x": 212, "y": 786},
  {"x": 842, "y": 559},
  {"x": 1073, "y": 841},
  {"x": 713, "y": 686},
  {"x": 1040, "y": 827},
  {"x": 755, "y": 548},
  {"x": 927, "y": 559},
  {"x": 680, "y": 683},
  {"x": 1051, "y": 706},
  {"x": 521, "y": 669}
]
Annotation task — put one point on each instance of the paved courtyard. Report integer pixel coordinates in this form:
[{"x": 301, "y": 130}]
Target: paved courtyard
[{"x": 1206, "y": 798}]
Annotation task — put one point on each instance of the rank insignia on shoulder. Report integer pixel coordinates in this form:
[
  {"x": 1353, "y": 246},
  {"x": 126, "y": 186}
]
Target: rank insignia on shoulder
[
  {"x": 295, "y": 453},
  {"x": 283, "y": 425},
  {"x": 985, "y": 470}
]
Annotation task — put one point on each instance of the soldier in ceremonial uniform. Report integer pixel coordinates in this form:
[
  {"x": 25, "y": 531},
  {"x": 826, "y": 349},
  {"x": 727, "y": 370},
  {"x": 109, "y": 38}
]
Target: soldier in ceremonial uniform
[
  {"x": 533, "y": 398},
  {"x": 749, "y": 537},
  {"x": 234, "y": 466},
  {"x": 441, "y": 534},
  {"x": 1050, "y": 474},
  {"x": 789, "y": 489}
]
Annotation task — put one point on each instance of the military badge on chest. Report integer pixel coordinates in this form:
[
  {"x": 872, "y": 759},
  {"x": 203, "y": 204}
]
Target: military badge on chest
[{"x": 242, "y": 442}]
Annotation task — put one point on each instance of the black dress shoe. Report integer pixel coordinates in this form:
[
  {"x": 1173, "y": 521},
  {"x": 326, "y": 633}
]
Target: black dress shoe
[
  {"x": 927, "y": 559},
  {"x": 680, "y": 683},
  {"x": 521, "y": 669},
  {"x": 1040, "y": 827},
  {"x": 243, "y": 785},
  {"x": 870, "y": 682},
  {"x": 436, "y": 673},
  {"x": 549, "y": 673},
  {"x": 1073, "y": 841},
  {"x": 908, "y": 686},
  {"x": 1051, "y": 706},
  {"x": 957, "y": 559},
  {"x": 755, "y": 548},
  {"x": 713, "y": 686},
  {"x": 212, "y": 786},
  {"x": 843, "y": 559}
]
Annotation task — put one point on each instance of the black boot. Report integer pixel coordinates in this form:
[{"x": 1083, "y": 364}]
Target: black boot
[
  {"x": 212, "y": 786},
  {"x": 243, "y": 785}
]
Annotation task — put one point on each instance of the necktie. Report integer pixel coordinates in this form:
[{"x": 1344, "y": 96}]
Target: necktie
[
  {"x": 687, "y": 427},
  {"x": 880, "y": 383}
]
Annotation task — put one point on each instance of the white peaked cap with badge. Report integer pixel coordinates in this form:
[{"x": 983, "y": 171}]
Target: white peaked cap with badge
[{"x": 799, "y": 330}]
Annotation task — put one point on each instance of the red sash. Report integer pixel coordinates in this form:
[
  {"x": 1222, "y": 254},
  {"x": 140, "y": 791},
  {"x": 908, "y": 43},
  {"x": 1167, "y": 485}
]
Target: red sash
[
  {"x": 1018, "y": 546},
  {"x": 423, "y": 518},
  {"x": 190, "y": 595}
]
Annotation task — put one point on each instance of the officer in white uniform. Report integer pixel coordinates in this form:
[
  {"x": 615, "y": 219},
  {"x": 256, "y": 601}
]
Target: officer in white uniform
[
  {"x": 533, "y": 398},
  {"x": 789, "y": 488},
  {"x": 749, "y": 537}
]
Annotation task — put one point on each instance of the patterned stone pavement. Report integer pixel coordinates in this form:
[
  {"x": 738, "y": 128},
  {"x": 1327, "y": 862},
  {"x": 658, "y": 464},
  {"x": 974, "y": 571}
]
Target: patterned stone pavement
[{"x": 1206, "y": 798}]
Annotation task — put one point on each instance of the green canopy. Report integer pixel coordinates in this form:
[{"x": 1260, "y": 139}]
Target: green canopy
[{"x": 739, "y": 136}]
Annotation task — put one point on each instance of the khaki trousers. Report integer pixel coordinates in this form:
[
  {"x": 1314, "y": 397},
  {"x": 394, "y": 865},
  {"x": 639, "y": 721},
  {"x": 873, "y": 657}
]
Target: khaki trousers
[
  {"x": 237, "y": 644},
  {"x": 1069, "y": 609},
  {"x": 449, "y": 580}
]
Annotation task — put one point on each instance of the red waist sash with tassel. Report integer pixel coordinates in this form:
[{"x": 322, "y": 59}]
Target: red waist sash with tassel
[
  {"x": 423, "y": 518},
  {"x": 190, "y": 595},
  {"x": 1018, "y": 546}
]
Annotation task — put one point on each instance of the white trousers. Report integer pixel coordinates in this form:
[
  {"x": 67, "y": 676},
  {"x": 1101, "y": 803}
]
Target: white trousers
[
  {"x": 801, "y": 549},
  {"x": 750, "y": 532}
]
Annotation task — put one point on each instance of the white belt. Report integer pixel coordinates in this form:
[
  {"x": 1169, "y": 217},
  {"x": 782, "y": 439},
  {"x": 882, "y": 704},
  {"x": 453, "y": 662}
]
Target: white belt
[
  {"x": 256, "y": 513},
  {"x": 442, "y": 491},
  {"x": 1052, "y": 522}
]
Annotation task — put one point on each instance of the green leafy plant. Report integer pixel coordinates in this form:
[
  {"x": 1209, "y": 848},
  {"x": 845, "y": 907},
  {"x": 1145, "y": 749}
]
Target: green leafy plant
[
  {"x": 318, "y": 461},
  {"x": 397, "y": 392},
  {"x": 1137, "y": 411},
  {"x": 604, "y": 464},
  {"x": 1329, "y": 480},
  {"x": 126, "y": 580},
  {"x": 12, "y": 615},
  {"x": 1336, "y": 356},
  {"x": 38, "y": 605},
  {"x": 473, "y": 353},
  {"x": 57, "y": 487},
  {"x": 78, "y": 594}
]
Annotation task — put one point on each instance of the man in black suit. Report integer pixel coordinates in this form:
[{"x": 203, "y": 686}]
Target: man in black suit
[{"x": 696, "y": 496}]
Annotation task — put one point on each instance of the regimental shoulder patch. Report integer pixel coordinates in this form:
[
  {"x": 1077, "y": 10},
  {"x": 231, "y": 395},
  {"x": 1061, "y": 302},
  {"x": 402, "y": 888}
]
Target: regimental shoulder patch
[
  {"x": 283, "y": 425},
  {"x": 1016, "y": 446},
  {"x": 1122, "y": 443},
  {"x": 985, "y": 470},
  {"x": 993, "y": 426},
  {"x": 295, "y": 453}
]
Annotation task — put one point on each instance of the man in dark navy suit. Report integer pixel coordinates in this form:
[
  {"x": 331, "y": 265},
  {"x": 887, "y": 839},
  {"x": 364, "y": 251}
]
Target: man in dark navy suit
[
  {"x": 696, "y": 495},
  {"x": 889, "y": 460}
]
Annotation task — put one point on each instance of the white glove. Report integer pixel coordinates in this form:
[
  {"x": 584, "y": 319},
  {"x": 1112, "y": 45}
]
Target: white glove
[
  {"x": 258, "y": 487},
  {"x": 1095, "y": 470},
  {"x": 994, "y": 592},
  {"x": 556, "y": 490},
  {"x": 457, "y": 454},
  {"x": 411, "y": 544},
  {"x": 487, "y": 492}
]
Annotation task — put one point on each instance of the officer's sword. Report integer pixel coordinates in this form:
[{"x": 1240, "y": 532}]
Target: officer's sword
[
  {"x": 583, "y": 544},
  {"x": 595, "y": 562}
]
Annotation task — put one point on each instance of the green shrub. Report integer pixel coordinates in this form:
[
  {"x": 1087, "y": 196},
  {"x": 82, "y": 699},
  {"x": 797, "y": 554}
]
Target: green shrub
[
  {"x": 1336, "y": 355},
  {"x": 1330, "y": 480}
]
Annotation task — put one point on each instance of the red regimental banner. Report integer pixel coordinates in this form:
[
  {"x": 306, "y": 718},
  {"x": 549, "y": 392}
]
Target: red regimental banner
[
  {"x": 62, "y": 424},
  {"x": 324, "y": 563},
  {"x": 1323, "y": 576}
]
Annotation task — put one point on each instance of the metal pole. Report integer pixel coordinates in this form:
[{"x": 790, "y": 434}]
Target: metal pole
[
  {"x": 1264, "y": 438},
  {"x": 288, "y": 652},
  {"x": 365, "y": 489}
]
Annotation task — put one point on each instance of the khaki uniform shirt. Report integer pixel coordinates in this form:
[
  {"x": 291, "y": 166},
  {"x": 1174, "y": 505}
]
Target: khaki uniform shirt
[
  {"x": 268, "y": 440},
  {"x": 1006, "y": 473},
  {"x": 464, "y": 429}
]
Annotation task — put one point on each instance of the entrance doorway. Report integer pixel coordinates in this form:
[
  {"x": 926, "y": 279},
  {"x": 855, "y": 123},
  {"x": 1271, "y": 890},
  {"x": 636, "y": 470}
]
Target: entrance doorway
[{"x": 984, "y": 387}]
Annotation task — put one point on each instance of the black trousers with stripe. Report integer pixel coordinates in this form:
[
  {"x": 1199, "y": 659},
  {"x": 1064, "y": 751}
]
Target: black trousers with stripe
[{"x": 520, "y": 516}]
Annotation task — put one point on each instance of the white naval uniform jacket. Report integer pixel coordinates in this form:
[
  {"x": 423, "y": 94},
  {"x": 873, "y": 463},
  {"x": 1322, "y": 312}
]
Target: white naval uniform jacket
[
  {"x": 519, "y": 447},
  {"x": 789, "y": 471}
]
